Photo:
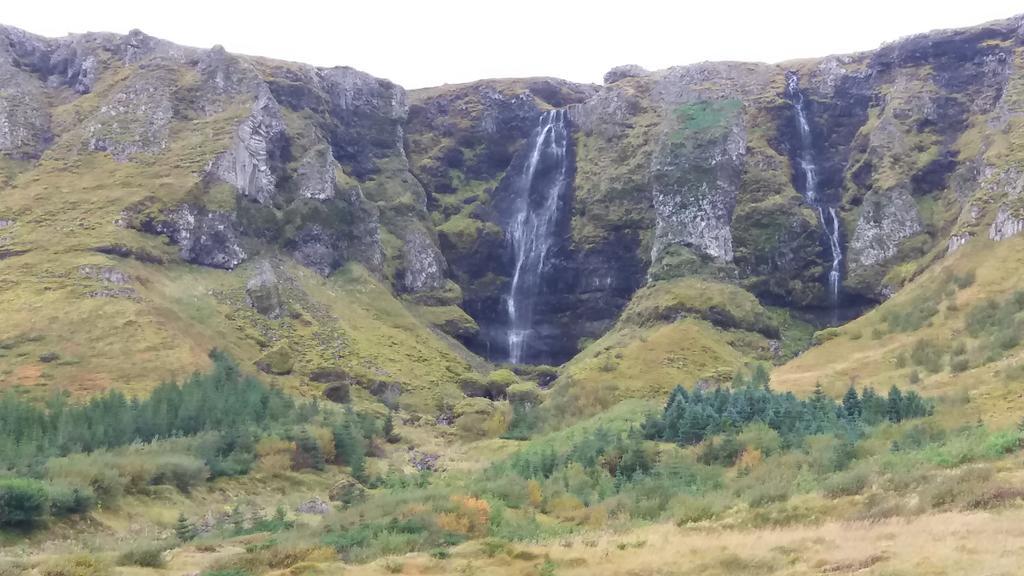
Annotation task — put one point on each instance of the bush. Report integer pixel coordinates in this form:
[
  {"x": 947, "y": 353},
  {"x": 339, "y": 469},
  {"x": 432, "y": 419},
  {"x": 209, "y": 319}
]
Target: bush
[
  {"x": 848, "y": 483},
  {"x": 959, "y": 364},
  {"x": 724, "y": 451},
  {"x": 178, "y": 470},
  {"x": 687, "y": 509},
  {"x": 768, "y": 493},
  {"x": 964, "y": 280},
  {"x": 23, "y": 502},
  {"x": 96, "y": 470},
  {"x": 66, "y": 500},
  {"x": 927, "y": 355},
  {"x": 759, "y": 436},
  {"x": 960, "y": 486},
  {"x": 147, "y": 556}
]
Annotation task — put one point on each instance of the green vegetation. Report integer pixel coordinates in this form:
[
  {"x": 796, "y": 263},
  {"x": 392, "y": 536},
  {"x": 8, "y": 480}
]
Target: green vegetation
[
  {"x": 222, "y": 400},
  {"x": 705, "y": 119},
  {"x": 64, "y": 459}
]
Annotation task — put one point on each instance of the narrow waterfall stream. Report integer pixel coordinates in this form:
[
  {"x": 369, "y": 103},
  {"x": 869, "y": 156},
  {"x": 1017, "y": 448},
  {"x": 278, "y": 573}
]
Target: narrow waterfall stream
[
  {"x": 826, "y": 212},
  {"x": 530, "y": 233}
]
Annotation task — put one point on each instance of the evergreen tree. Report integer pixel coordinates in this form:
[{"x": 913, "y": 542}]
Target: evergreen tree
[
  {"x": 388, "y": 429},
  {"x": 894, "y": 405},
  {"x": 184, "y": 529},
  {"x": 851, "y": 404},
  {"x": 307, "y": 452}
]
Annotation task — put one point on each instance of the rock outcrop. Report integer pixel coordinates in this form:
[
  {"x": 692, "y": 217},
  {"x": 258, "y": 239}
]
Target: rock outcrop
[
  {"x": 256, "y": 154},
  {"x": 689, "y": 171},
  {"x": 204, "y": 237},
  {"x": 263, "y": 292}
]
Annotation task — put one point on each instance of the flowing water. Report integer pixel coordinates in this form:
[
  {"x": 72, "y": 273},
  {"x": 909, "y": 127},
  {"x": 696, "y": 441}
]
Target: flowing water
[
  {"x": 826, "y": 213},
  {"x": 531, "y": 231}
]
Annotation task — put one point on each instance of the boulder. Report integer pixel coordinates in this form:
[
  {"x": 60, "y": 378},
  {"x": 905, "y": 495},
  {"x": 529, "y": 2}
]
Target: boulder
[
  {"x": 263, "y": 293},
  {"x": 347, "y": 492},
  {"x": 277, "y": 361},
  {"x": 625, "y": 71}
]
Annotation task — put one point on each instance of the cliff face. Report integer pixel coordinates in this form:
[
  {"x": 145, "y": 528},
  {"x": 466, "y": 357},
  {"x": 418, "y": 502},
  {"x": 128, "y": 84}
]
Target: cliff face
[
  {"x": 693, "y": 171},
  {"x": 696, "y": 171}
]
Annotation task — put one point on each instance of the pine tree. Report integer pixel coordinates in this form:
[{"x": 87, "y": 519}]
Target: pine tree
[
  {"x": 851, "y": 404},
  {"x": 350, "y": 446},
  {"x": 389, "y": 429},
  {"x": 894, "y": 405},
  {"x": 184, "y": 529}
]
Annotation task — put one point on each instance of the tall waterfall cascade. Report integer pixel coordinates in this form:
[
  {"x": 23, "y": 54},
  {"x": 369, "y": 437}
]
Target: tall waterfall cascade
[
  {"x": 531, "y": 232},
  {"x": 826, "y": 212}
]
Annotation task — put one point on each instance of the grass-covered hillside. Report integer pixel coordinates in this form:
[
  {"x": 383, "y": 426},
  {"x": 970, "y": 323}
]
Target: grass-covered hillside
[{"x": 249, "y": 312}]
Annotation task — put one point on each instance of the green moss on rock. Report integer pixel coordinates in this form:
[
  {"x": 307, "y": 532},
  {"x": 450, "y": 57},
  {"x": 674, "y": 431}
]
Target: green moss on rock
[{"x": 278, "y": 361}]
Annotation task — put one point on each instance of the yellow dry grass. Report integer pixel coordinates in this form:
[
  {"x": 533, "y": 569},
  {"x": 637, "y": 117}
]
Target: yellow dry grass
[{"x": 933, "y": 545}]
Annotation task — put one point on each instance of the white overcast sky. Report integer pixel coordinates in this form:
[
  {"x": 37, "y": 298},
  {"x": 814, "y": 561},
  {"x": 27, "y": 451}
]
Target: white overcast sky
[{"x": 426, "y": 43}]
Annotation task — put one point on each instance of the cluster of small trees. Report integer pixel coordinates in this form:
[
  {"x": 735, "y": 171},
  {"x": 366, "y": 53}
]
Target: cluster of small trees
[
  {"x": 690, "y": 417},
  {"x": 222, "y": 399},
  {"x": 61, "y": 458}
]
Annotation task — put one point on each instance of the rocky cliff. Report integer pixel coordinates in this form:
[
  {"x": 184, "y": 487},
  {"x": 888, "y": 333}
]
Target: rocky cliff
[{"x": 162, "y": 153}]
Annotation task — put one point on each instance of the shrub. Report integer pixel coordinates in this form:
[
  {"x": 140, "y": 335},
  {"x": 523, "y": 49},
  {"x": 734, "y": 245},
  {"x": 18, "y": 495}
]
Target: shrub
[
  {"x": 146, "y": 556},
  {"x": 178, "y": 470},
  {"x": 96, "y": 470},
  {"x": 759, "y": 436},
  {"x": 66, "y": 500},
  {"x": 927, "y": 355},
  {"x": 959, "y": 364},
  {"x": 964, "y": 280},
  {"x": 724, "y": 451},
  {"x": 23, "y": 502},
  {"x": 847, "y": 483},
  {"x": 688, "y": 509},
  {"x": 960, "y": 486},
  {"x": 768, "y": 493}
]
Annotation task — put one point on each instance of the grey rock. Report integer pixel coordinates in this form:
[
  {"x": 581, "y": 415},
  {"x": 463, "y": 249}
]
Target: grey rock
[
  {"x": 316, "y": 174},
  {"x": 6, "y": 223},
  {"x": 262, "y": 291},
  {"x": 609, "y": 113},
  {"x": 694, "y": 191},
  {"x": 316, "y": 248},
  {"x": 313, "y": 506},
  {"x": 128, "y": 293},
  {"x": 957, "y": 241},
  {"x": 205, "y": 238},
  {"x": 625, "y": 71},
  {"x": 1007, "y": 224},
  {"x": 424, "y": 266},
  {"x": 107, "y": 274},
  {"x": 250, "y": 164},
  {"x": 225, "y": 77},
  {"x": 885, "y": 221}
]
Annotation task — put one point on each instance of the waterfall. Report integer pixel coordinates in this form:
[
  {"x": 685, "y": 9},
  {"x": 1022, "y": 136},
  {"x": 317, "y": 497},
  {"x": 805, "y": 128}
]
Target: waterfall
[
  {"x": 531, "y": 230},
  {"x": 826, "y": 213}
]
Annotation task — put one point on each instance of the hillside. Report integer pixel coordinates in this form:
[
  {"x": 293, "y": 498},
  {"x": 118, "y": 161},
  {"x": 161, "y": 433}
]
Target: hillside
[
  {"x": 261, "y": 317},
  {"x": 174, "y": 163}
]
